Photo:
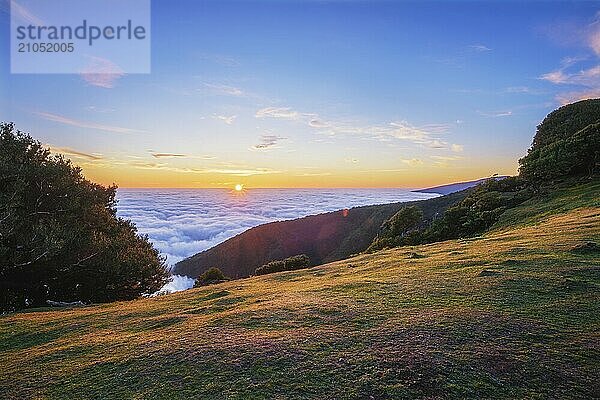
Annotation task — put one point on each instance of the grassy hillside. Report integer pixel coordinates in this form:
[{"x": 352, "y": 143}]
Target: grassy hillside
[{"x": 512, "y": 314}]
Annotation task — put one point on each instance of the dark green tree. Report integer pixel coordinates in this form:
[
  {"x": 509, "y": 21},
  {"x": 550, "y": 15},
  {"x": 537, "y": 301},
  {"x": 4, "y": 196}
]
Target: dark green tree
[
  {"x": 399, "y": 229},
  {"x": 60, "y": 238},
  {"x": 567, "y": 143},
  {"x": 404, "y": 221},
  {"x": 210, "y": 276}
]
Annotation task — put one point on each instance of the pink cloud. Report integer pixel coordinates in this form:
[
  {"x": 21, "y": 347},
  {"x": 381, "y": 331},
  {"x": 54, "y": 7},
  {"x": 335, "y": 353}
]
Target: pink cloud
[{"x": 101, "y": 72}]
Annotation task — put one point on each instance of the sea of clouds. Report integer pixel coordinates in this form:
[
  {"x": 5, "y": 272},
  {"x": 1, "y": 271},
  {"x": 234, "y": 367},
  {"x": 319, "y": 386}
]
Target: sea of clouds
[{"x": 183, "y": 222}]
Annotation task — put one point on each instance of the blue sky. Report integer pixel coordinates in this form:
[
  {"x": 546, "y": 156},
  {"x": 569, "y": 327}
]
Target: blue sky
[{"x": 330, "y": 94}]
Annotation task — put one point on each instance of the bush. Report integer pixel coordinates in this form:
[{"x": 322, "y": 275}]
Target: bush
[
  {"x": 289, "y": 264},
  {"x": 60, "y": 238},
  {"x": 209, "y": 277}
]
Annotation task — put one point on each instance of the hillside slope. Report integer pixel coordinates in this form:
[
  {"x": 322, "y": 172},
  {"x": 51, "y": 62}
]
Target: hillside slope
[
  {"x": 324, "y": 238},
  {"x": 512, "y": 314}
]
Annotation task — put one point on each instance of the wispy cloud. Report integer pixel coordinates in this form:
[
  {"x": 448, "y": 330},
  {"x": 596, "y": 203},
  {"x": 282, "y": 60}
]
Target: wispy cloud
[
  {"x": 457, "y": 148},
  {"x": 24, "y": 14},
  {"x": 593, "y": 36},
  {"x": 317, "y": 123},
  {"x": 522, "y": 90},
  {"x": 67, "y": 151},
  {"x": 229, "y": 120},
  {"x": 447, "y": 158},
  {"x": 425, "y": 135},
  {"x": 85, "y": 124},
  {"x": 315, "y": 174},
  {"x": 444, "y": 161},
  {"x": 479, "y": 48},
  {"x": 279, "y": 112},
  {"x": 223, "y": 90},
  {"x": 385, "y": 171},
  {"x": 495, "y": 114},
  {"x": 587, "y": 78},
  {"x": 237, "y": 171},
  {"x": 167, "y": 155},
  {"x": 413, "y": 162},
  {"x": 570, "y": 97},
  {"x": 225, "y": 169},
  {"x": 267, "y": 142},
  {"x": 151, "y": 165},
  {"x": 101, "y": 72},
  {"x": 459, "y": 58},
  {"x": 223, "y": 60},
  {"x": 100, "y": 109}
]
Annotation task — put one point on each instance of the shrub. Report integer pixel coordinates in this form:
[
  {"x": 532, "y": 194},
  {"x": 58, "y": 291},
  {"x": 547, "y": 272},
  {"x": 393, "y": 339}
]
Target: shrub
[
  {"x": 209, "y": 277},
  {"x": 60, "y": 238},
  {"x": 289, "y": 264}
]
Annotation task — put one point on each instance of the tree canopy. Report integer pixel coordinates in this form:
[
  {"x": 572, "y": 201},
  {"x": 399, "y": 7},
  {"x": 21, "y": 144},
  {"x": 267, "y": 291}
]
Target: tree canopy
[
  {"x": 60, "y": 237},
  {"x": 567, "y": 143}
]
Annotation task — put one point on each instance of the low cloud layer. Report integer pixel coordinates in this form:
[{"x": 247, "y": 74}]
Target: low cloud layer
[{"x": 182, "y": 222}]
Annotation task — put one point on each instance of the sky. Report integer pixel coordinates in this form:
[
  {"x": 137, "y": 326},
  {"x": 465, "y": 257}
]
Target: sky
[{"x": 317, "y": 94}]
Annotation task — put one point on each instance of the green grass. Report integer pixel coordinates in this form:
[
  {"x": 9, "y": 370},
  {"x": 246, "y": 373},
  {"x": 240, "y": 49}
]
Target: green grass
[
  {"x": 511, "y": 314},
  {"x": 569, "y": 196}
]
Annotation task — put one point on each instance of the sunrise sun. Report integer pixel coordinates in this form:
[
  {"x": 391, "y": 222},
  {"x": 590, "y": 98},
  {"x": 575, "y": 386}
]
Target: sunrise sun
[{"x": 239, "y": 187}]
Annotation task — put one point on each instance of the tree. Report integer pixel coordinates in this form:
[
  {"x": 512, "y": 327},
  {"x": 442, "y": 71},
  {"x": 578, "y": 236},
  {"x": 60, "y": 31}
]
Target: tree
[
  {"x": 399, "y": 229},
  {"x": 405, "y": 220},
  {"x": 209, "y": 277},
  {"x": 567, "y": 143},
  {"x": 60, "y": 238}
]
